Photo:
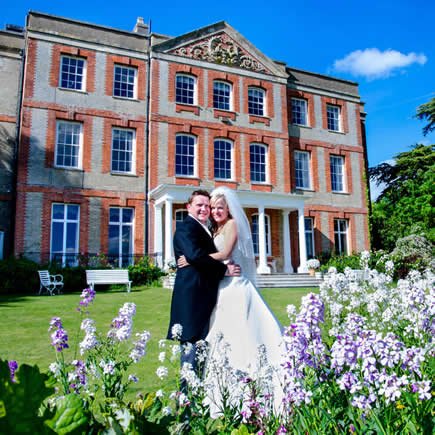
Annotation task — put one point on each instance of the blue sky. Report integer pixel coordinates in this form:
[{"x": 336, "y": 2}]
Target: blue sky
[{"x": 387, "y": 47}]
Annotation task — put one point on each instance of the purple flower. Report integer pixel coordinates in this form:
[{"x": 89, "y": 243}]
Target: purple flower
[
  {"x": 59, "y": 338},
  {"x": 87, "y": 296},
  {"x": 123, "y": 324},
  {"x": 13, "y": 366}
]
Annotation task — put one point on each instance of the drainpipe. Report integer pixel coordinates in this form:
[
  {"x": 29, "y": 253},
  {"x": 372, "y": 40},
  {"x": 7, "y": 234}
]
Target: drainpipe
[
  {"x": 147, "y": 142},
  {"x": 17, "y": 139}
]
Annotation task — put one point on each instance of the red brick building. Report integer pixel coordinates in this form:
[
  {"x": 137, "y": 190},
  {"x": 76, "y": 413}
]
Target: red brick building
[{"x": 117, "y": 128}]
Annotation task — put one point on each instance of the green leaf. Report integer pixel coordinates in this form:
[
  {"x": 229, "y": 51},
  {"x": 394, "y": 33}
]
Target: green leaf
[
  {"x": 71, "y": 415},
  {"x": 22, "y": 399}
]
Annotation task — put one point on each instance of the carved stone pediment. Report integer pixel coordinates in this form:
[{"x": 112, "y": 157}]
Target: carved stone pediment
[{"x": 223, "y": 50}]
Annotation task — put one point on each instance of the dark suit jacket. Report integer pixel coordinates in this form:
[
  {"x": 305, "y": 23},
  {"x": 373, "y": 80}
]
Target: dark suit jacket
[{"x": 195, "y": 288}]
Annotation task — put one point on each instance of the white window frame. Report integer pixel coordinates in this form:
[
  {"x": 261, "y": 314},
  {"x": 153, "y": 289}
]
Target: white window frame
[
  {"x": 65, "y": 221},
  {"x": 266, "y": 163},
  {"x": 254, "y": 100},
  {"x": 302, "y": 105},
  {"x": 255, "y": 235},
  {"x": 195, "y": 157},
  {"x": 194, "y": 91},
  {"x": 231, "y": 158},
  {"x": 333, "y": 115},
  {"x": 79, "y": 145},
  {"x": 337, "y": 176},
  {"x": 302, "y": 173},
  {"x": 84, "y": 74},
  {"x": 230, "y": 96},
  {"x": 338, "y": 233},
  {"x": 133, "y": 151},
  {"x": 121, "y": 224},
  {"x": 309, "y": 237},
  {"x": 127, "y": 68}
]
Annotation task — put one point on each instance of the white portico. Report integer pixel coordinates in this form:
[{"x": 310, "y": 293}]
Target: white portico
[{"x": 165, "y": 196}]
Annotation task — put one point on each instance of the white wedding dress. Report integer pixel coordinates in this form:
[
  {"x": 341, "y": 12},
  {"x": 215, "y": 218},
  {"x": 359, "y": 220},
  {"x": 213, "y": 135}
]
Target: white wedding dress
[{"x": 240, "y": 323}]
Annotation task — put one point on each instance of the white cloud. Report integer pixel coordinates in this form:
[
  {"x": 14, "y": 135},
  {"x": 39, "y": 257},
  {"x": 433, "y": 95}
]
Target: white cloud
[{"x": 373, "y": 63}]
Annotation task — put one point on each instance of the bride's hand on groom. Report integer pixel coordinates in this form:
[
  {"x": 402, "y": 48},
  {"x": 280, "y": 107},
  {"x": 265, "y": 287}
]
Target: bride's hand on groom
[
  {"x": 182, "y": 262},
  {"x": 233, "y": 270}
]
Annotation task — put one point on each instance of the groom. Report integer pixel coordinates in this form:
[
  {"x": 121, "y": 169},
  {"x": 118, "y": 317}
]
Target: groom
[{"x": 196, "y": 285}]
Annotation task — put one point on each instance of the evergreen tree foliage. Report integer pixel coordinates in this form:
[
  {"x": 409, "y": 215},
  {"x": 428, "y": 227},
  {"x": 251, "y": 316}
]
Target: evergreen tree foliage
[{"x": 406, "y": 205}]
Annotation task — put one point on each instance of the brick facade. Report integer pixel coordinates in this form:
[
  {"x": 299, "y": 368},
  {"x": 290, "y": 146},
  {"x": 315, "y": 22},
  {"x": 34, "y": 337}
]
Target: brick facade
[{"x": 157, "y": 121}]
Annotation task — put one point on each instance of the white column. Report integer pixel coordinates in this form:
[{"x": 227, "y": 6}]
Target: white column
[
  {"x": 288, "y": 268},
  {"x": 169, "y": 250},
  {"x": 158, "y": 235},
  {"x": 302, "y": 246},
  {"x": 262, "y": 254}
]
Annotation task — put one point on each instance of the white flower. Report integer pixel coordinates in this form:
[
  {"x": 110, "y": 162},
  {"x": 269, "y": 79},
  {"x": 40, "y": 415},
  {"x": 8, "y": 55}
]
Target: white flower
[
  {"x": 176, "y": 331},
  {"x": 313, "y": 263},
  {"x": 162, "y": 356},
  {"x": 162, "y": 372}
]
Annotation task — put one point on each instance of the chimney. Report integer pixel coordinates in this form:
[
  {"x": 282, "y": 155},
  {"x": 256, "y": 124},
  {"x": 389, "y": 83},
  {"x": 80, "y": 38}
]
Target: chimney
[{"x": 140, "y": 27}]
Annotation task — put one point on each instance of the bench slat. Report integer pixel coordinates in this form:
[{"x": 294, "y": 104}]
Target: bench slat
[{"x": 108, "y": 276}]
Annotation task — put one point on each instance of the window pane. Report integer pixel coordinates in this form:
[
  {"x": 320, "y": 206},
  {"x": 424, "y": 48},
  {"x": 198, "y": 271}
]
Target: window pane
[
  {"x": 299, "y": 111},
  {"x": 184, "y": 155},
  {"x": 221, "y": 95},
  {"x": 113, "y": 240},
  {"x": 255, "y": 234},
  {"x": 256, "y": 101},
  {"x": 302, "y": 170},
  {"x": 127, "y": 215},
  {"x": 122, "y": 150},
  {"x": 309, "y": 237},
  {"x": 333, "y": 117},
  {"x": 72, "y": 73},
  {"x": 71, "y": 237},
  {"x": 68, "y": 144},
  {"x": 184, "y": 89},
  {"x": 58, "y": 211},
  {"x": 124, "y": 81},
  {"x": 72, "y": 212},
  {"x": 258, "y": 163},
  {"x": 337, "y": 173},
  {"x": 56, "y": 237},
  {"x": 114, "y": 215},
  {"x": 222, "y": 159}
]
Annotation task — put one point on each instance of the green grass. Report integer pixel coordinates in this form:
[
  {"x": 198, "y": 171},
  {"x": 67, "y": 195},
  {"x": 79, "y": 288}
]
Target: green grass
[{"x": 24, "y": 322}]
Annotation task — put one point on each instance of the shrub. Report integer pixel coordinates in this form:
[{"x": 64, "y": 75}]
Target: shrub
[
  {"x": 340, "y": 262},
  {"x": 413, "y": 252},
  {"x": 145, "y": 272},
  {"x": 74, "y": 278},
  {"x": 18, "y": 275}
]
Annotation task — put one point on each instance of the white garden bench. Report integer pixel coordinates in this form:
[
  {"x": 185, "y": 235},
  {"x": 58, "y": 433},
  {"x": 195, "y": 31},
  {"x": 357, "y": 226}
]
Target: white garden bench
[
  {"x": 49, "y": 283},
  {"x": 108, "y": 276}
]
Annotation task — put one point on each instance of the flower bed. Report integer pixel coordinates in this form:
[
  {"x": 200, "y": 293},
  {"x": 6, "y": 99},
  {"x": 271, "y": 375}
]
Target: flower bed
[{"x": 359, "y": 357}]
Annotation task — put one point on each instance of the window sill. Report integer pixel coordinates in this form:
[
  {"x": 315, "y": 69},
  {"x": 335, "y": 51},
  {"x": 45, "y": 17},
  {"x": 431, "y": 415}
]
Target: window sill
[
  {"x": 219, "y": 113},
  {"x": 80, "y": 91},
  {"x": 304, "y": 189},
  {"x": 124, "y": 174},
  {"x": 67, "y": 168},
  {"x": 186, "y": 108},
  {"x": 337, "y": 192},
  {"x": 263, "y": 187},
  {"x": 117, "y": 97},
  {"x": 336, "y": 131},
  {"x": 259, "y": 120},
  {"x": 301, "y": 125}
]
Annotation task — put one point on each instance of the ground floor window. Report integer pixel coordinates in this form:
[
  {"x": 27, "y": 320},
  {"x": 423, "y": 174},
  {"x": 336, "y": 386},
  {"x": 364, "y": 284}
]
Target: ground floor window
[
  {"x": 255, "y": 234},
  {"x": 180, "y": 215},
  {"x": 340, "y": 236},
  {"x": 309, "y": 237},
  {"x": 65, "y": 222},
  {"x": 121, "y": 236}
]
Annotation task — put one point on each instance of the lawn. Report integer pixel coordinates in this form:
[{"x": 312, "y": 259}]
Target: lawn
[{"x": 24, "y": 322}]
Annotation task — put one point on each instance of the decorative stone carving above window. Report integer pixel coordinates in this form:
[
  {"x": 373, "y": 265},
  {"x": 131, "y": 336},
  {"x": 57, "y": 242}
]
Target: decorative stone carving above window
[{"x": 221, "y": 49}]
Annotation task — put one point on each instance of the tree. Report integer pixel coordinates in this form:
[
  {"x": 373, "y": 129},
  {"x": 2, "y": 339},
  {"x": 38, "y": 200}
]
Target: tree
[
  {"x": 427, "y": 112},
  {"x": 406, "y": 205}
]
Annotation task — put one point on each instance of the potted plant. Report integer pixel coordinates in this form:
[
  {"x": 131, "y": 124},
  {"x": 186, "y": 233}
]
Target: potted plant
[{"x": 313, "y": 264}]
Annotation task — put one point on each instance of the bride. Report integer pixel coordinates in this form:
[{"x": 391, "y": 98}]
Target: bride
[{"x": 243, "y": 332}]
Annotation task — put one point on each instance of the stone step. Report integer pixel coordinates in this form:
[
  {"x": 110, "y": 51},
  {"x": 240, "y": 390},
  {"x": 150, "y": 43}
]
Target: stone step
[{"x": 274, "y": 280}]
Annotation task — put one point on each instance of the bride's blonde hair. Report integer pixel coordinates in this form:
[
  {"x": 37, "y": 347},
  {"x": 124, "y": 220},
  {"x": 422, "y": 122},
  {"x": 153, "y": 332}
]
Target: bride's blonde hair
[{"x": 213, "y": 199}]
